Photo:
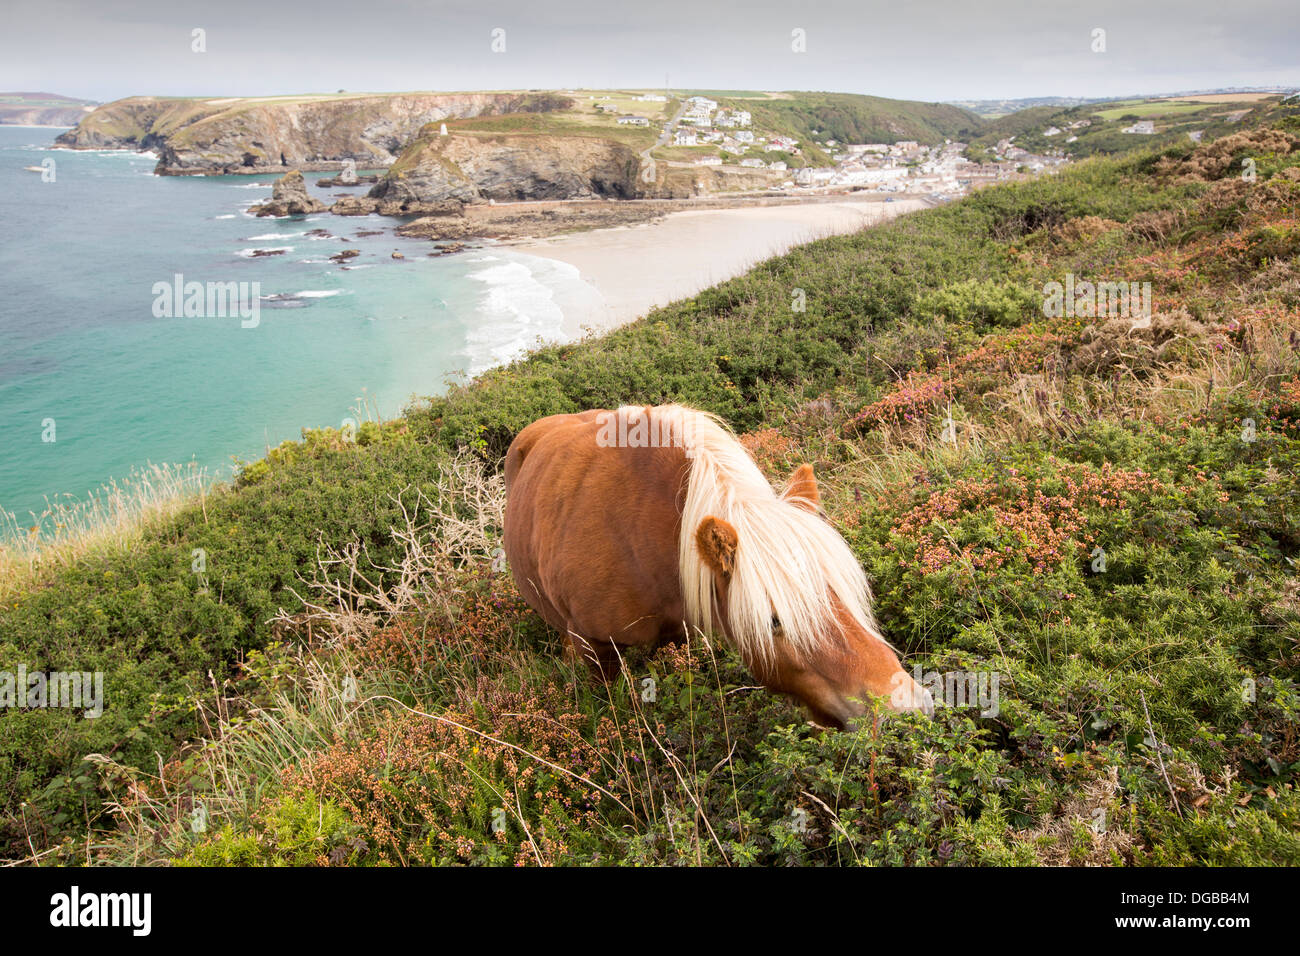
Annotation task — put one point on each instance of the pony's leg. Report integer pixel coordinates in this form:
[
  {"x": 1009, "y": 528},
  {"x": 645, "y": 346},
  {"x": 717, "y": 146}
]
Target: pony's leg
[{"x": 601, "y": 657}]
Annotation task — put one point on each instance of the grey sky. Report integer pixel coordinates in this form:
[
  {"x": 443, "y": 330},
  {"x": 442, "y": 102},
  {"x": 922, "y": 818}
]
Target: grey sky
[{"x": 929, "y": 50}]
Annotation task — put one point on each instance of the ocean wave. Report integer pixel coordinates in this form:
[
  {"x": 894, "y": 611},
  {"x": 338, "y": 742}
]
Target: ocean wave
[
  {"x": 513, "y": 313},
  {"x": 271, "y": 235},
  {"x": 229, "y": 215},
  {"x": 318, "y": 293}
]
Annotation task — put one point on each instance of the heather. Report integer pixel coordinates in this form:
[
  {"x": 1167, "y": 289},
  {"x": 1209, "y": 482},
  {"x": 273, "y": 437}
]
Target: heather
[{"x": 1101, "y": 510}]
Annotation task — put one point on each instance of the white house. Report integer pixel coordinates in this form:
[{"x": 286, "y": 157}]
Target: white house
[
  {"x": 1142, "y": 127},
  {"x": 743, "y": 136},
  {"x": 685, "y": 137},
  {"x": 734, "y": 118},
  {"x": 753, "y": 163},
  {"x": 633, "y": 121}
]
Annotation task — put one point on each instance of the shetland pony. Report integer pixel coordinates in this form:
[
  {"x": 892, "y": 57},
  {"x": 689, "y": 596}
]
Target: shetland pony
[{"x": 631, "y": 527}]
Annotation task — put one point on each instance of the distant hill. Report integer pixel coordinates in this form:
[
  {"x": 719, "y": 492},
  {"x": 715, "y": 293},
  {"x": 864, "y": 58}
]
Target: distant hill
[
  {"x": 990, "y": 109},
  {"x": 855, "y": 118},
  {"x": 1098, "y": 128},
  {"x": 42, "y": 109}
]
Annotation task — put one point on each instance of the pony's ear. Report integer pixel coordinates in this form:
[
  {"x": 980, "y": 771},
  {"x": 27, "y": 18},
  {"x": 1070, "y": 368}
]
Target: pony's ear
[
  {"x": 717, "y": 541},
  {"x": 803, "y": 488}
]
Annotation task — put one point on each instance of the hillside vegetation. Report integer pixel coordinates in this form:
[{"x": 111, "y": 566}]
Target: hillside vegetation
[
  {"x": 854, "y": 118},
  {"x": 1173, "y": 120},
  {"x": 1101, "y": 510}
]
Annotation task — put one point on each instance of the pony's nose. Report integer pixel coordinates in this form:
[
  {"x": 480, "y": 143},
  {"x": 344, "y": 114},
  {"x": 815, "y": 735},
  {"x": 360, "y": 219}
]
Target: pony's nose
[
  {"x": 927, "y": 702},
  {"x": 911, "y": 697}
]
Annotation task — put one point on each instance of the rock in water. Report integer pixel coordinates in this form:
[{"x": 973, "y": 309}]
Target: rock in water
[
  {"x": 354, "y": 206},
  {"x": 289, "y": 197}
]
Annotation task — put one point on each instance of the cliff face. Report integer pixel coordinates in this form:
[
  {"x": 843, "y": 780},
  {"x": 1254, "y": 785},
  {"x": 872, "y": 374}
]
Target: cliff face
[
  {"x": 473, "y": 168},
  {"x": 264, "y": 134}
]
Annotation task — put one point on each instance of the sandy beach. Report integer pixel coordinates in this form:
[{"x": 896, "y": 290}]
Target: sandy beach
[{"x": 632, "y": 269}]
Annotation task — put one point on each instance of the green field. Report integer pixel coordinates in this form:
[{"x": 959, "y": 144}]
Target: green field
[
  {"x": 1149, "y": 110},
  {"x": 1174, "y": 120},
  {"x": 575, "y": 123}
]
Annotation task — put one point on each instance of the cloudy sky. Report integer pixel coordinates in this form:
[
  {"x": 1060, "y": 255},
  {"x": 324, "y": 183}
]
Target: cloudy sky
[{"x": 912, "y": 49}]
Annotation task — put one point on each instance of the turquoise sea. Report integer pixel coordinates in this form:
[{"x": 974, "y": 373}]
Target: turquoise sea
[{"x": 81, "y": 345}]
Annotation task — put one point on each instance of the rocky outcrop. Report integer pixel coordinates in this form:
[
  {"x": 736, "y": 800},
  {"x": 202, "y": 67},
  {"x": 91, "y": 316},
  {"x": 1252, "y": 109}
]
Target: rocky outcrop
[
  {"x": 354, "y": 206},
  {"x": 346, "y": 178},
  {"x": 270, "y": 134},
  {"x": 289, "y": 197},
  {"x": 532, "y": 220},
  {"x": 364, "y": 206},
  {"x": 476, "y": 167}
]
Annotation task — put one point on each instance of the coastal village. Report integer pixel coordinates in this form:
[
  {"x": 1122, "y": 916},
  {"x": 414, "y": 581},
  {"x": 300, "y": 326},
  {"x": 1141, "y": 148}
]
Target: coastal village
[{"x": 724, "y": 136}]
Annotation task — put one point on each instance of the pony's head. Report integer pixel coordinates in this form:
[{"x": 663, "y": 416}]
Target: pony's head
[{"x": 791, "y": 596}]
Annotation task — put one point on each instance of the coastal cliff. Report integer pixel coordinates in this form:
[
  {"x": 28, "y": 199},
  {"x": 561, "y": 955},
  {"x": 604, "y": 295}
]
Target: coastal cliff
[
  {"x": 271, "y": 134},
  {"x": 472, "y": 167},
  {"x": 467, "y": 168}
]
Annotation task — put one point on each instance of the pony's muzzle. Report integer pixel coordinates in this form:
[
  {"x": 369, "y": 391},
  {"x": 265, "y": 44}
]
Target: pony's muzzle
[
  {"x": 927, "y": 703},
  {"x": 907, "y": 696}
]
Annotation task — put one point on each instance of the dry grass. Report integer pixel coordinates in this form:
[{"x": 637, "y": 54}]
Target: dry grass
[
  {"x": 110, "y": 519},
  {"x": 352, "y": 597}
]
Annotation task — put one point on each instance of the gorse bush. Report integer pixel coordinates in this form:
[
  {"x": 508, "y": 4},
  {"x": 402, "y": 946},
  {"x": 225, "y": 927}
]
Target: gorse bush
[
  {"x": 1102, "y": 512},
  {"x": 982, "y": 306}
]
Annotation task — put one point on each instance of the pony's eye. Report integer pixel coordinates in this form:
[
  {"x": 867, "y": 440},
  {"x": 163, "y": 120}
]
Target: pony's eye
[{"x": 776, "y": 623}]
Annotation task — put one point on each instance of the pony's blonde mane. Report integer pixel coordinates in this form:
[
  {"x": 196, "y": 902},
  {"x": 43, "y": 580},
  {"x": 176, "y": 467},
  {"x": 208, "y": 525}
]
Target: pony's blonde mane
[{"x": 789, "y": 561}]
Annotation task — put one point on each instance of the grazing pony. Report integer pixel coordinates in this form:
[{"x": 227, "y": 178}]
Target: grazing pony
[{"x": 630, "y": 527}]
